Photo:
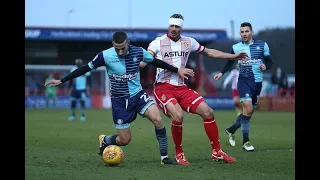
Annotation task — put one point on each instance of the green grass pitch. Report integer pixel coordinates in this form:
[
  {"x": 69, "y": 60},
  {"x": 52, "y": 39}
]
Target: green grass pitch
[{"x": 58, "y": 149}]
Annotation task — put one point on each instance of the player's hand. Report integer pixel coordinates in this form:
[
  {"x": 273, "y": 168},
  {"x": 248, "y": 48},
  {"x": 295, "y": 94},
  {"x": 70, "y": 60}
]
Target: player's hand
[
  {"x": 52, "y": 82},
  {"x": 263, "y": 67},
  {"x": 218, "y": 76},
  {"x": 241, "y": 56},
  {"x": 185, "y": 72}
]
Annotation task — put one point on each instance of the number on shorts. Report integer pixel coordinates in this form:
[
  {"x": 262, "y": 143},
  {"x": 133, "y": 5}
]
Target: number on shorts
[{"x": 145, "y": 98}]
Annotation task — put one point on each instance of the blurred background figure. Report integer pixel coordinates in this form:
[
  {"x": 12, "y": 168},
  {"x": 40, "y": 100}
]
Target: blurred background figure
[
  {"x": 279, "y": 81},
  {"x": 79, "y": 90},
  {"x": 50, "y": 93},
  {"x": 233, "y": 78}
]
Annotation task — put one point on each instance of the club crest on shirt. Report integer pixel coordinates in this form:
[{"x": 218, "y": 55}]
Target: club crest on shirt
[
  {"x": 185, "y": 44},
  {"x": 163, "y": 97},
  {"x": 135, "y": 59}
]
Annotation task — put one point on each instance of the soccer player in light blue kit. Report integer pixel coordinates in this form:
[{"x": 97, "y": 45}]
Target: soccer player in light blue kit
[
  {"x": 122, "y": 62},
  {"x": 79, "y": 91},
  {"x": 249, "y": 81}
]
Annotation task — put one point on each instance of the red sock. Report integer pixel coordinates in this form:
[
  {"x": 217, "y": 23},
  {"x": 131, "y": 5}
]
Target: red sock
[
  {"x": 211, "y": 128},
  {"x": 176, "y": 130},
  {"x": 238, "y": 105}
]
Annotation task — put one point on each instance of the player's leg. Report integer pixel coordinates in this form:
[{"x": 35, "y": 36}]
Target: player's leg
[
  {"x": 74, "y": 97},
  {"x": 237, "y": 123},
  {"x": 83, "y": 106},
  {"x": 148, "y": 108},
  {"x": 47, "y": 96},
  {"x": 165, "y": 98},
  {"x": 236, "y": 100},
  {"x": 193, "y": 102},
  {"x": 54, "y": 99},
  {"x": 248, "y": 112},
  {"x": 122, "y": 117},
  {"x": 73, "y": 108},
  {"x": 123, "y": 138},
  {"x": 246, "y": 91}
]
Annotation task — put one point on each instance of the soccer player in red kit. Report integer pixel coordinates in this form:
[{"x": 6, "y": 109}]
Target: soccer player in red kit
[
  {"x": 233, "y": 78},
  {"x": 173, "y": 96}
]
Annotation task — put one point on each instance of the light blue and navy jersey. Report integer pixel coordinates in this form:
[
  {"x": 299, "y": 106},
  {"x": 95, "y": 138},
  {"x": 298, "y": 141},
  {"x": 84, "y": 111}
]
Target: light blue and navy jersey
[
  {"x": 124, "y": 72},
  {"x": 80, "y": 83},
  {"x": 257, "y": 52}
]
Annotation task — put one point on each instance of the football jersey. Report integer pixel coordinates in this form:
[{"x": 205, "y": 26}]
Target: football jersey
[{"x": 175, "y": 54}]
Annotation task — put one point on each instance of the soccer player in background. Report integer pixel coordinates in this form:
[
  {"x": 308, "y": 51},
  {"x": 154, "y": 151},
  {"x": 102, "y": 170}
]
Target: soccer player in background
[
  {"x": 79, "y": 92},
  {"x": 249, "y": 81},
  {"x": 233, "y": 78},
  {"x": 50, "y": 93},
  {"x": 127, "y": 97},
  {"x": 173, "y": 96}
]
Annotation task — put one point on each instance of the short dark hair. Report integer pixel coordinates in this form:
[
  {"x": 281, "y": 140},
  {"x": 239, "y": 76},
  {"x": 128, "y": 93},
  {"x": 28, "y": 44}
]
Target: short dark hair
[
  {"x": 119, "y": 37},
  {"x": 179, "y": 16},
  {"x": 246, "y": 24}
]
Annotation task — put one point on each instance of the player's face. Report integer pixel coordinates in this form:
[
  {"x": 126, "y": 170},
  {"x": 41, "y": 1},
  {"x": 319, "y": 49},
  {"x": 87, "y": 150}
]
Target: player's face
[
  {"x": 246, "y": 33},
  {"x": 122, "y": 48},
  {"x": 174, "y": 31}
]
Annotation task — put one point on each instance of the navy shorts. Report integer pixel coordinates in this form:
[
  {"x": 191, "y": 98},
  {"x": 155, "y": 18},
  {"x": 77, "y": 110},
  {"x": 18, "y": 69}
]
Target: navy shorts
[
  {"x": 125, "y": 110},
  {"x": 249, "y": 90},
  {"x": 78, "y": 94}
]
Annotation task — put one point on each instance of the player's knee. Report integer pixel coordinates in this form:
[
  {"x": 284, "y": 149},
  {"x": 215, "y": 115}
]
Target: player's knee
[
  {"x": 157, "y": 121},
  {"x": 207, "y": 113},
  {"x": 177, "y": 115},
  {"x": 248, "y": 108}
]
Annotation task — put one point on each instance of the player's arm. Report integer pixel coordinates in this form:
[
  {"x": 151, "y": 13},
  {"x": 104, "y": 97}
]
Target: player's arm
[
  {"x": 212, "y": 53},
  {"x": 227, "y": 66},
  {"x": 98, "y": 61},
  {"x": 149, "y": 59},
  {"x": 266, "y": 57}
]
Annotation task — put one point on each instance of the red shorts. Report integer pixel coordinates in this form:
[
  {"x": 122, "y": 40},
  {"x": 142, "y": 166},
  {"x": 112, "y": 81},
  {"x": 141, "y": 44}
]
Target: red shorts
[
  {"x": 187, "y": 98},
  {"x": 235, "y": 93}
]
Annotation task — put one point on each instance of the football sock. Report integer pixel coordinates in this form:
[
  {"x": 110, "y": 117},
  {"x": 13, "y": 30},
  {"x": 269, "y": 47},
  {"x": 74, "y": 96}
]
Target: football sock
[
  {"x": 83, "y": 107},
  {"x": 176, "y": 131},
  {"x": 233, "y": 128},
  {"x": 73, "y": 107},
  {"x": 211, "y": 129},
  {"x": 245, "y": 126},
  {"x": 110, "y": 140},
  {"x": 162, "y": 138}
]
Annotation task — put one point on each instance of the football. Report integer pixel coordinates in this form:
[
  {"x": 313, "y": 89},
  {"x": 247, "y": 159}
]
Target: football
[{"x": 112, "y": 155}]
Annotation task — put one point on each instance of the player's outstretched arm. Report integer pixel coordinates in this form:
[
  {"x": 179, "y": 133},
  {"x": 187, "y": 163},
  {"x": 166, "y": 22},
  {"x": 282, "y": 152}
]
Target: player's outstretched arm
[
  {"x": 182, "y": 72},
  {"x": 74, "y": 74},
  {"x": 213, "y": 53},
  {"x": 149, "y": 58}
]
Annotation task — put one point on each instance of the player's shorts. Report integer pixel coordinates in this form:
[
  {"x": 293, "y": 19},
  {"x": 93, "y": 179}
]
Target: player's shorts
[
  {"x": 78, "y": 94},
  {"x": 235, "y": 93},
  {"x": 188, "y": 99},
  {"x": 125, "y": 110},
  {"x": 249, "y": 90}
]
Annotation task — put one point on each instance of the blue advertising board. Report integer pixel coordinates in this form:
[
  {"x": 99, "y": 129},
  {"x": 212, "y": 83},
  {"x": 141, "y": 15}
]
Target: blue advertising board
[
  {"x": 61, "y": 102},
  {"x": 106, "y": 34},
  {"x": 221, "y": 103}
]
